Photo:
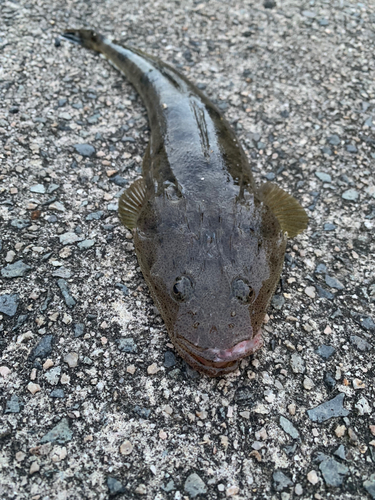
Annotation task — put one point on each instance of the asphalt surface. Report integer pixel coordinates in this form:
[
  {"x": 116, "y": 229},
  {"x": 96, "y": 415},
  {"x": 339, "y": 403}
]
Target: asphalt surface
[{"x": 94, "y": 400}]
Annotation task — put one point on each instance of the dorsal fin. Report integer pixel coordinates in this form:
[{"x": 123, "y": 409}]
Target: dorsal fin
[
  {"x": 131, "y": 203},
  {"x": 291, "y": 216}
]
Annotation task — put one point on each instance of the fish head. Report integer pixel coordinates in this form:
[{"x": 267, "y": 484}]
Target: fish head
[{"x": 212, "y": 282}]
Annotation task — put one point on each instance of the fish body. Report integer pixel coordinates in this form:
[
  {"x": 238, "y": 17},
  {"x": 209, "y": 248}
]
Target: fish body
[{"x": 210, "y": 243}]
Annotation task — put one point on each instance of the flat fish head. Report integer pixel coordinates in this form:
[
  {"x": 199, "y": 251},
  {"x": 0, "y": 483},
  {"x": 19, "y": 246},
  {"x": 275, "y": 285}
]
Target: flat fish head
[{"x": 212, "y": 283}]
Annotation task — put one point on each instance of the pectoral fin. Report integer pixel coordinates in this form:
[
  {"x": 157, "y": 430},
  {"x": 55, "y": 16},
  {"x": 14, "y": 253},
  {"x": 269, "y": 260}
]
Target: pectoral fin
[
  {"x": 291, "y": 216},
  {"x": 131, "y": 203}
]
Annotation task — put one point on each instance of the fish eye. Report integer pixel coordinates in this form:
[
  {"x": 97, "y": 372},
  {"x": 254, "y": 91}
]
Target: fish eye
[
  {"x": 242, "y": 291},
  {"x": 183, "y": 289}
]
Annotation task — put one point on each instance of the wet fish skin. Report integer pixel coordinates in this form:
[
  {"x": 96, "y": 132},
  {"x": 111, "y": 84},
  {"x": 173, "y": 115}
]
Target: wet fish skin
[{"x": 210, "y": 243}]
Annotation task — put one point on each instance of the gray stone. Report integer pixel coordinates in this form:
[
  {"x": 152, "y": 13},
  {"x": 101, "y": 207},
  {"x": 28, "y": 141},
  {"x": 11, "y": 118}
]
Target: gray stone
[
  {"x": 369, "y": 485},
  {"x": 93, "y": 118},
  {"x": 334, "y": 283},
  {"x": 340, "y": 452},
  {"x": 123, "y": 288},
  {"x": 118, "y": 180},
  {"x": 366, "y": 322},
  {"x": 9, "y": 304},
  {"x": 368, "y": 122},
  {"x": 321, "y": 268},
  {"x": 351, "y": 148},
  {"x": 323, "y": 176},
  {"x": 169, "y": 359},
  {"x": 57, "y": 393},
  {"x": 350, "y": 195},
  {"x": 142, "y": 412},
  {"x": 60, "y": 434},
  {"x": 327, "y": 151},
  {"x": 20, "y": 223},
  {"x": 68, "y": 238},
  {"x": 333, "y": 472},
  {"x": 281, "y": 481},
  {"x": 65, "y": 116},
  {"x": 278, "y": 301},
  {"x": 63, "y": 285},
  {"x": 43, "y": 348},
  {"x": 297, "y": 364},
  {"x": 288, "y": 427},
  {"x": 127, "y": 345},
  {"x": 194, "y": 486},
  {"x": 13, "y": 405},
  {"x": 62, "y": 272},
  {"x": 95, "y": 215},
  {"x": 38, "y": 188},
  {"x": 360, "y": 343},
  {"x": 334, "y": 140},
  {"x": 52, "y": 375},
  {"x": 329, "y": 227},
  {"x": 323, "y": 293},
  {"x": 309, "y": 14},
  {"x": 52, "y": 188},
  {"x": 325, "y": 351},
  {"x": 57, "y": 206},
  {"x": 170, "y": 486},
  {"x": 332, "y": 408},
  {"x": 79, "y": 329},
  {"x": 16, "y": 270},
  {"x": 84, "y": 149},
  {"x": 115, "y": 487},
  {"x": 86, "y": 244}
]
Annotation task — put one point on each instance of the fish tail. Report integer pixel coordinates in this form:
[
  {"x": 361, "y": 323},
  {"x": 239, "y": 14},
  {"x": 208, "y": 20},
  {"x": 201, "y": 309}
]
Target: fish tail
[{"x": 87, "y": 38}]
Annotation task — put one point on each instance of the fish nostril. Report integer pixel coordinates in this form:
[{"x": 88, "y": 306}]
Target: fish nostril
[
  {"x": 213, "y": 330},
  {"x": 231, "y": 325},
  {"x": 196, "y": 324}
]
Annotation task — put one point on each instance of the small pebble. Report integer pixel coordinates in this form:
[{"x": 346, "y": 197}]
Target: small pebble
[
  {"x": 16, "y": 270},
  {"x": 84, "y": 149},
  {"x": 310, "y": 292},
  {"x": 333, "y": 472},
  {"x": 232, "y": 490},
  {"x": 194, "y": 486},
  {"x": 313, "y": 477},
  {"x": 308, "y": 384},
  {"x": 115, "y": 487},
  {"x": 4, "y": 371},
  {"x": 350, "y": 195},
  {"x": 152, "y": 369},
  {"x": 329, "y": 409},
  {"x": 38, "y": 188},
  {"x": 288, "y": 427},
  {"x": 71, "y": 359},
  {"x": 141, "y": 489},
  {"x": 281, "y": 481},
  {"x": 60, "y": 434},
  {"x": 47, "y": 364},
  {"x": 9, "y": 304},
  {"x": 126, "y": 448},
  {"x": 34, "y": 468},
  {"x": 340, "y": 431},
  {"x": 33, "y": 388}
]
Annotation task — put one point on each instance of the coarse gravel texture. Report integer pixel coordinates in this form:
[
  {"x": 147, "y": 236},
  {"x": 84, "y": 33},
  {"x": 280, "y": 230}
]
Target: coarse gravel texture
[{"x": 94, "y": 401}]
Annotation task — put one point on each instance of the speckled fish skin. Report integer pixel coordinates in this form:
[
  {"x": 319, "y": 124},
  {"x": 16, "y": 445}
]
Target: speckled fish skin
[{"x": 210, "y": 248}]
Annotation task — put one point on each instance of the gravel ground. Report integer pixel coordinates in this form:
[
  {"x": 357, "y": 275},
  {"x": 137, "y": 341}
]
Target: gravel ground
[{"x": 95, "y": 402}]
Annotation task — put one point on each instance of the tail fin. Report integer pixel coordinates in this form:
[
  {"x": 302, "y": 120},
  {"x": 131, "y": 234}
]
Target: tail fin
[{"x": 87, "y": 38}]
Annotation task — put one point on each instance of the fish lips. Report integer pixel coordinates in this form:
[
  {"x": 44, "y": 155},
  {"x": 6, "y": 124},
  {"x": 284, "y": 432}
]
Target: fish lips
[{"x": 215, "y": 362}]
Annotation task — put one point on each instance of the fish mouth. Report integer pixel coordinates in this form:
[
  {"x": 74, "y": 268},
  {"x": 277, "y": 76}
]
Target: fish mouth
[{"x": 215, "y": 362}]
